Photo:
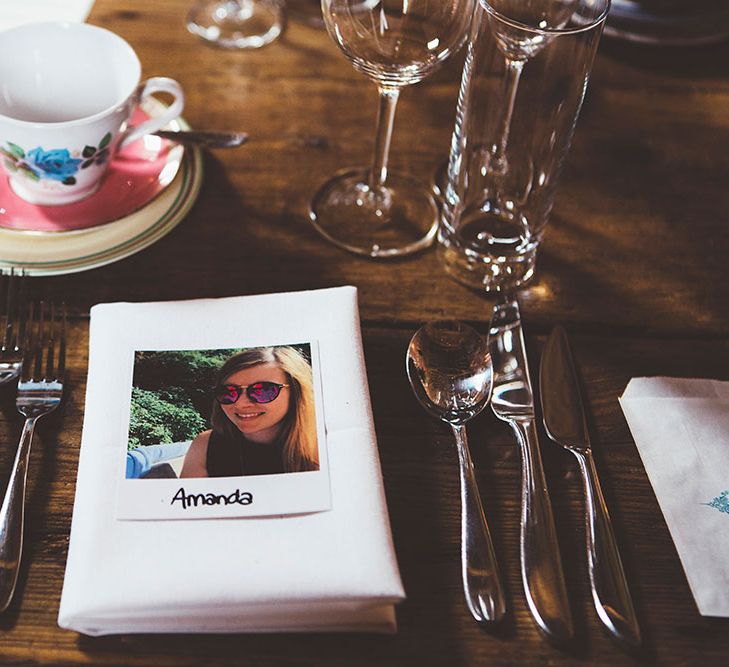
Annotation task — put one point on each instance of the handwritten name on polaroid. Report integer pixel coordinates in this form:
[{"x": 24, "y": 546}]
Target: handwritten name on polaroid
[{"x": 188, "y": 500}]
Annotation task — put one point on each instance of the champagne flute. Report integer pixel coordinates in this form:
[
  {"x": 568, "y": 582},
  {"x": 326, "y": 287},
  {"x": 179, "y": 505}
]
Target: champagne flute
[
  {"x": 517, "y": 46},
  {"x": 237, "y": 24},
  {"x": 522, "y": 88},
  {"x": 372, "y": 210},
  {"x": 518, "y": 43}
]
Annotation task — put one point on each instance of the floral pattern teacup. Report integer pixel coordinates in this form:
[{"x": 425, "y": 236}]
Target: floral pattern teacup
[{"x": 62, "y": 120}]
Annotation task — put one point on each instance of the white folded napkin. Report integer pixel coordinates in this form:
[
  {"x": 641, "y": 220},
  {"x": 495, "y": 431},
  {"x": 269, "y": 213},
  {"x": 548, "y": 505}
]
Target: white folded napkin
[
  {"x": 328, "y": 571},
  {"x": 681, "y": 430},
  {"x": 17, "y": 12}
]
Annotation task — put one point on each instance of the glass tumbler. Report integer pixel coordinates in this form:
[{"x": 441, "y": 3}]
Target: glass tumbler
[{"x": 524, "y": 79}]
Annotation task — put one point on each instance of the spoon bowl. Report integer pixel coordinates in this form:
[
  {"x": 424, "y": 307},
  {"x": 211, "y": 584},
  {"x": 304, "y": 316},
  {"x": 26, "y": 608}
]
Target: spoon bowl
[{"x": 449, "y": 368}]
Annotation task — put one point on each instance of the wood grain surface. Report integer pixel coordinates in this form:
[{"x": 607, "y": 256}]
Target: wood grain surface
[{"x": 635, "y": 263}]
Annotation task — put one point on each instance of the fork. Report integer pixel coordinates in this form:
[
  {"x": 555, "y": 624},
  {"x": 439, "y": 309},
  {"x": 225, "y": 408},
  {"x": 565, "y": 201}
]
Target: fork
[
  {"x": 11, "y": 351},
  {"x": 513, "y": 402},
  {"x": 39, "y": 392}
]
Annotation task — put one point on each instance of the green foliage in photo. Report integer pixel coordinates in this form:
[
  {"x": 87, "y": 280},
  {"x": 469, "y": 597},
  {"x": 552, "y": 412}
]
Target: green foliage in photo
[
  {"x": 172, "y": 394},
  {"x": 159, "y": 417}
]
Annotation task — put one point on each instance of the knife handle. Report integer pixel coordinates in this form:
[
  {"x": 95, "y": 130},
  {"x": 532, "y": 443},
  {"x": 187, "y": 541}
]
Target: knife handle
[
  {"x": 479, "y": 569},
  {"x": 610, "y": 592},
  {"x": 541, "y": 565}
]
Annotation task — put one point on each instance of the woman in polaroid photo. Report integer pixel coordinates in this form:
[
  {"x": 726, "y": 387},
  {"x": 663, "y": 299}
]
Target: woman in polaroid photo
[{"x": 263, "y": 419}]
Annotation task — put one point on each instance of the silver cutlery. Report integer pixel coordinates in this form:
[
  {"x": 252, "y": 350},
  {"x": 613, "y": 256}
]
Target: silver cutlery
[
  {"x": 13, "y": 323},
  {"x": 449, "y": 369},
  {"x": 204, "y": 138},
  {"x": 40, "y": 389},
  {"x": 566, "y": 424},
  {"x": 513, "y": 402}
]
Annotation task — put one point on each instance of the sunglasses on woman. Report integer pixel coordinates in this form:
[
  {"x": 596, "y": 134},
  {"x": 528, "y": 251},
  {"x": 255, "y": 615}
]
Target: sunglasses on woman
[{"x": 258, "y": 392}]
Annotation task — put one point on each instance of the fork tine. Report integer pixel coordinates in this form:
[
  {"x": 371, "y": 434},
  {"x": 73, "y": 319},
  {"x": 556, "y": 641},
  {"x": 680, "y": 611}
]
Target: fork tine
[
  {"x": 20, "y": 313},
  {"x": 32, "y": 332},
  {"x": 53, "y": 324},
  {"x": 26, "y": 324},
  {"x": 62, "y": 345},
  {"x": 40, "y": 341},
  {"x": 42, "y": 334},
  {"x": 27, "y": 351},
  {"x": 8, "y": 318}
]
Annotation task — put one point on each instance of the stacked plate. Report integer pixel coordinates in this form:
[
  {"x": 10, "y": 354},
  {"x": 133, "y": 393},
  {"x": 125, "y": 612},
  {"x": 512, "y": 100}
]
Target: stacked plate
[
  {"x": 150, "y": 187},
  {"x": 669, "y": 22}
]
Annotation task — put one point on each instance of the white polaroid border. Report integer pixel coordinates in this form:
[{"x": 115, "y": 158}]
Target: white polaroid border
[{"x": 228, "y": 497}]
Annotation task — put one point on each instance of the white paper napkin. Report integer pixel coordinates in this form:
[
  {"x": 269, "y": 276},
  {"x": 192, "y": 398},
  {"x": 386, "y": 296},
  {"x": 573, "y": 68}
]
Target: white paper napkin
[
  {"x": 17, "y": 12},
  {"x": 681, "y": 430},
  {"x": 330, "y": 571}
]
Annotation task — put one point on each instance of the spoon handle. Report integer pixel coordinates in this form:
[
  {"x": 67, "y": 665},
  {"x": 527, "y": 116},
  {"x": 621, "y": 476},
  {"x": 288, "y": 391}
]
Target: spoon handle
[
  {"x": 204, "y": 138},
  {"x": 481, "y": 579},
  {"x": 541, "y": 566}
]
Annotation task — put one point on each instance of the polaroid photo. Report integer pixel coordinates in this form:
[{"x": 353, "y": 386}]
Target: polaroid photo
[{"x": 225, "y": 433}]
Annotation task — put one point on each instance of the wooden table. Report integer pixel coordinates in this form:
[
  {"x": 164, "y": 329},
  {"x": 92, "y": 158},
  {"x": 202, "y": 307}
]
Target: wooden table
[{"x": 634, "y": 263}]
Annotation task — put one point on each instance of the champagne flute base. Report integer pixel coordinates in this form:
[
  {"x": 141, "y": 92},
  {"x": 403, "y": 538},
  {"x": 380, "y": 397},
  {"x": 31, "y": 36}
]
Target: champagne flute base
[
  {"x": 495, "y": 274},
  {"x": 396, "y": 219},
  {"x": 489, "y": 251},
  {"x": 237, "y": 24}
]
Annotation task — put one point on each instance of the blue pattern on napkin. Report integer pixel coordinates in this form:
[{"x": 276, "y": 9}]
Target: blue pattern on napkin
[{"x": 721, "y": 502}]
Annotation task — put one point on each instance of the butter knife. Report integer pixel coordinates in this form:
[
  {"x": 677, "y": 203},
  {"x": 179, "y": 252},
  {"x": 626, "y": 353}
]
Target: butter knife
[
  {"x": 565, "y": 423},
  {"x": 513, "y": 402}
]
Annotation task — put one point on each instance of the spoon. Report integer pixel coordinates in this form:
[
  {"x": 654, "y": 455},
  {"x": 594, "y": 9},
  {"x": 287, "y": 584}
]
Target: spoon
[
  {"x": 449, "y": 368},
  {"x": 205, "y": 139}
]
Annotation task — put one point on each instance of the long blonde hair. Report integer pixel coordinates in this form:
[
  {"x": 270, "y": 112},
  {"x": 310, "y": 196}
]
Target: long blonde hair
[{"x": 300, "y": 449}]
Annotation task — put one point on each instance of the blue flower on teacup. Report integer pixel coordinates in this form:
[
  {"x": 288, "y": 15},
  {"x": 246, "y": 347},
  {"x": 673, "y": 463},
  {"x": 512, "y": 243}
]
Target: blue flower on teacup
[{"x": 56, "y": 164}]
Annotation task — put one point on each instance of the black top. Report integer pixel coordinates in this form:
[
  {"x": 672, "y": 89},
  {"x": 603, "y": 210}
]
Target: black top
[{"x": 226, "y": 458}]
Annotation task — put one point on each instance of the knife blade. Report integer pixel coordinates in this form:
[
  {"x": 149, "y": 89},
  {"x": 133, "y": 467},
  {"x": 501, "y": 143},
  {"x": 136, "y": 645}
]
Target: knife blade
[
  {"x": 566, "y": 423},
  {"x": 513, "y": 401}
]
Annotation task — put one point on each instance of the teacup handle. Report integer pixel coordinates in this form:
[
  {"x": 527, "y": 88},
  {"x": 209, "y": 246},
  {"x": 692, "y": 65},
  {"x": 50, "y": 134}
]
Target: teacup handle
[{"x": 157, "y": 84}]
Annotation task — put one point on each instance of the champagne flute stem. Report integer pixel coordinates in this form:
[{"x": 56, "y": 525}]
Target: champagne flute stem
[
  {"x": 510, "y": 86},
  {"x": 383, "y": 135}
]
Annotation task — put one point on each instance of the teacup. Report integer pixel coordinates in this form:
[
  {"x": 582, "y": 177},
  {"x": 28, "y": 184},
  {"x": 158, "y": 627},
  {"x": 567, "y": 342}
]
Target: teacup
[{"x": 67, "y": 91}]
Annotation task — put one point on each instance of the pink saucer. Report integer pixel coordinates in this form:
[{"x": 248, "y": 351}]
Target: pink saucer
[{"x": 137, "y": 174}]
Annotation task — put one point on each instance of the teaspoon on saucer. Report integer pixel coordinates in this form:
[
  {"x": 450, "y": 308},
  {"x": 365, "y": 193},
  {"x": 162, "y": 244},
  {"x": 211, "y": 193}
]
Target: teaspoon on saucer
[
  {"x": 450, "y": 371},
  {"x": 204, "y": 139}
]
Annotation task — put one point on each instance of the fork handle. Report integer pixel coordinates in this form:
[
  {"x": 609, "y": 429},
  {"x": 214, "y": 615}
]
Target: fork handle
[
  {"x": 541, "y": 565},
  {"x": 12, "y": 516}
]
